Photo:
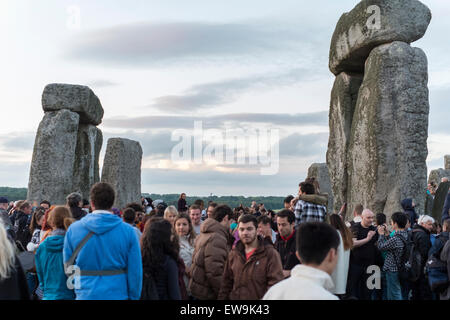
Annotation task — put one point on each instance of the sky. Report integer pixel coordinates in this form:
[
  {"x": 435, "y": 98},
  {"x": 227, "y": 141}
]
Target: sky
[{"x": 159, "y": 66}]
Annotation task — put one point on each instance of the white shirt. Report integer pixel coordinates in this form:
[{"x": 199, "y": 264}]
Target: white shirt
[
  {"x": 340, "y": 273},
  {"x": 305, "y": 283}
]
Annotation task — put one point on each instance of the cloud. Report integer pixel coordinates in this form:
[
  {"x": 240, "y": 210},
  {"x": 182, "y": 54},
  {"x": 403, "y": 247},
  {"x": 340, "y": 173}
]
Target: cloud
[
  {"x": 218, "y": 121},
  {"x": 225, "y": 91},
  {"x": 304, "y": 145},
  {"x": 101, "y": 83},
  {"x": 16, "y": 141},
  {"x": 164, "y": 43}
]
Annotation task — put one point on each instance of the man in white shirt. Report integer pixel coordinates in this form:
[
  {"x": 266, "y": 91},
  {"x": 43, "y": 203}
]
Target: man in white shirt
[{"x": 317, "y": 244}]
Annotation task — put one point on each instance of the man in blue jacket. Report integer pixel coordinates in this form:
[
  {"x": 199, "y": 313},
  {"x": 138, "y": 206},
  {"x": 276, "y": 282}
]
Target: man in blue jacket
[{"x": 109, "y": 264}]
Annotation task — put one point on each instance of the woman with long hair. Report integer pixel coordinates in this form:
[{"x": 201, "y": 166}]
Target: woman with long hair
[
  {"x": 340, "y": 273},
  {"x": 49, "y": 257},
  {"x": 159, "y": 260},
  {"x": 13, "y": 283},
  {"x": 182, "y": 205},
  {"x": 186, "y": 235}
]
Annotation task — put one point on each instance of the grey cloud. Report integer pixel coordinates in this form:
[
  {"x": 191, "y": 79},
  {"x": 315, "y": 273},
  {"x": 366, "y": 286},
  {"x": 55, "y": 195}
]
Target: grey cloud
[
  {"x": 439, "y": 110},
  {"x": 304, "y": 145},
  {"x": 218, "y": 121},
  {"x": 156, "y": 43},
  {"x": 16, "y": 141},
  {"x": 212, "y": 94},
  {"x": 101, "y": 84}
]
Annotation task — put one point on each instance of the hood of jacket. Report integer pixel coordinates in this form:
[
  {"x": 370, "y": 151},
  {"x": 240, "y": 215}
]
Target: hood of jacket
[
  {"x": 100, "y": 223},
  {"x": 55, "y": 243},
  {"x": 315, "y": 275},
  {"x": 407, "y": 204},
  {"x": 211, "y": 225}
]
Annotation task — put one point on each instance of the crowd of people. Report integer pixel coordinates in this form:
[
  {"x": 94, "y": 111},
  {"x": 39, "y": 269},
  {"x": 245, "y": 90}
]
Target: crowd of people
[{"x": 88, "y": 250}]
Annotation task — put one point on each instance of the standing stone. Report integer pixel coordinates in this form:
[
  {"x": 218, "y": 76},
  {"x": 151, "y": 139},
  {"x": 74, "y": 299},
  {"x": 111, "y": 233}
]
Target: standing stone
[
  {"x": 437, "y": 174},
  {"x": 343, "y": 101},
  {"x": 320, "y": 172},
  {"x": 122, "y": 169},
  {"x": 52, "y": 166},
  {"x": 76, "y": 98},
  {"x": 86, "y": 169},
  {"x": 372, "y": 23},
  {"x": 388, "y": 146}
]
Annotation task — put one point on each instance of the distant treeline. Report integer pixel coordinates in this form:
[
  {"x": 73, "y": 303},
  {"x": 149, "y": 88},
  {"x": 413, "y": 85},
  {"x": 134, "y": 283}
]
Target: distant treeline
[
  {"x": 273, "y": 203},
  {"x": 13, "y": 194}
]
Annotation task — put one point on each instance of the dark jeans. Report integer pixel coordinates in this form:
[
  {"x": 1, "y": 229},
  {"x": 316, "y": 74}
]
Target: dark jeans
[
  {"x": 357, "y": 282},
  {"x": 421, "y": 289}
]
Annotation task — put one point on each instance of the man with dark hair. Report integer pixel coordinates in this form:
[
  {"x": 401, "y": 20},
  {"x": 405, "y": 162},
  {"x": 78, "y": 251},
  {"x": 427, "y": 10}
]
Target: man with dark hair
[
  {"x": 307, "y": 211},
  {"x": 210, "y": 209},
  {"x": 317, "y": 244},
  {"x": 252, "y": 267},
  {"x": 286, "y": 241},
  {"x": 129, "y": 216},
  {"x": 45, "y": 204},
  {"x": 195, "y": 214},
  {"x": 394, "y": 248},
  {"x": 210, "y": 253},
  {"x": 105, "y": 252},
  {"x": 287, "y": 202},
  {"x": 357, "y": 213},
  {"x": 265, "y": 228},
  {"x": 441, "y": 248}
]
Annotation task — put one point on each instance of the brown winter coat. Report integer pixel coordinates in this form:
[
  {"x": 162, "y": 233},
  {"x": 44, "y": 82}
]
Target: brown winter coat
[
  {"x": 208, "y": 260},
  {"x": 250, "y": 279}
]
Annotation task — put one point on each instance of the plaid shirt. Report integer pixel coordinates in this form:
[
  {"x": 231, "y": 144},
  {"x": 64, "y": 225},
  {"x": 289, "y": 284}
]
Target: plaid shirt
[
  {"x": 309, "y": 212},
  {"x": 393, "y": 247}
]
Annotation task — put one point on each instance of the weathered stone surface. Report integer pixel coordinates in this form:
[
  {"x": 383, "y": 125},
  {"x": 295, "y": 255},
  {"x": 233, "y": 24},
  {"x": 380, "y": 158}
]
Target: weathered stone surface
[
  {"x": 366, "y": 27},
  {"x": 86, "y": 167},
  {"x": 76, "y": 98},
  {"x": 320, "y": 172},
  {"x": 122, "y": 169},
  {"x": 388, "y": 146},
  {"x": 52, "y": 165},
  {"x": 437, "y": 174},
  {"x": 342, "y": 106}
]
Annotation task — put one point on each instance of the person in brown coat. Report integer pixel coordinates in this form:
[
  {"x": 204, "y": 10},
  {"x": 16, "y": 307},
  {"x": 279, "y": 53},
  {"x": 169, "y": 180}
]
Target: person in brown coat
[
  {"x": 210, "y": 253},
  {"x": 252, "y": 267}
]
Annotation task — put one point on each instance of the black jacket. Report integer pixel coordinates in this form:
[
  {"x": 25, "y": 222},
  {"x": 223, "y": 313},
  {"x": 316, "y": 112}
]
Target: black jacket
[
  {"x": 182, "y": 205},
  {"x": 77, "y": 213},
  {"x": 409, "y": 210},
  {"x": 287, "y": 249},
  {"x": 166, "y": 280},
  {"x": 15, "y": 287},
  {"x": 422, "y": 242},
  {"x": 21, "y": 226}
]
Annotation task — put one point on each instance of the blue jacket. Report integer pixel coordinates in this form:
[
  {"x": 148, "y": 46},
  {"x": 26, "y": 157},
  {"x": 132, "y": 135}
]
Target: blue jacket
[
  {"x": 50, "y": 269},
  {"x": 113, "y": 246}
]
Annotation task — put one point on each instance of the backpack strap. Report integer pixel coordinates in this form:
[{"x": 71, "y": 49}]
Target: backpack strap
[
  {"x": 78, "y": 249},
  {"x": 90, "y": 272}
]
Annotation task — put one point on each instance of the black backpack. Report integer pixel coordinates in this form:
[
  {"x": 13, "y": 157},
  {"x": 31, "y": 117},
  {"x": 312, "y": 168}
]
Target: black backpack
[
  {"x": 411, "y": 260},
  {"x": 436, "y": 268}
]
